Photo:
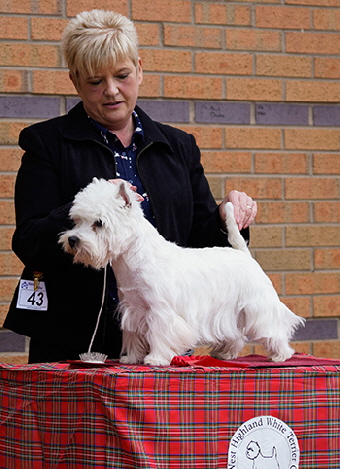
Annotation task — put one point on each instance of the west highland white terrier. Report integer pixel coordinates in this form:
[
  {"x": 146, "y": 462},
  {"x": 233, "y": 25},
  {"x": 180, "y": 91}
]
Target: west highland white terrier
[{"x": 173, "y": 298}]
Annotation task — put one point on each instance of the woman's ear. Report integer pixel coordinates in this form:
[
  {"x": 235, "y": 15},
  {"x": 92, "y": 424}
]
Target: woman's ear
[
  {"x": 74, "y": 80},
  {"x": 139, "y": 71}
]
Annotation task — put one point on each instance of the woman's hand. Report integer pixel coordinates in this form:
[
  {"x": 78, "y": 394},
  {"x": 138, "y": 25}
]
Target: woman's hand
[{"x": 245, "y": 208}]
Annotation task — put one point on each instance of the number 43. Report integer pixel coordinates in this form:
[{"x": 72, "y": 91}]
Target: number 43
[{"x": 37, "y": 298}]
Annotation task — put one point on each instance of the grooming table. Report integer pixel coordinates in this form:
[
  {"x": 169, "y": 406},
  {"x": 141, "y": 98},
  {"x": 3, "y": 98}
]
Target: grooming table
[{"x": 189, "y": 415}]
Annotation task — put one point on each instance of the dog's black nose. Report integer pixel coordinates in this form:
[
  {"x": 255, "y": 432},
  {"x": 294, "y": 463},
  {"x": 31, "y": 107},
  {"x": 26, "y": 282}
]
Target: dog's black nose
[{"x": 72, "y": 241}]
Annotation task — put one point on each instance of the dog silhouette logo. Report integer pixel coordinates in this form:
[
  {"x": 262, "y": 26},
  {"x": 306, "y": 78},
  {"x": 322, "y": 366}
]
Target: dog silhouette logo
[
  {"x": 264, "y": 442},
  {"x": 261, "y": 461}
]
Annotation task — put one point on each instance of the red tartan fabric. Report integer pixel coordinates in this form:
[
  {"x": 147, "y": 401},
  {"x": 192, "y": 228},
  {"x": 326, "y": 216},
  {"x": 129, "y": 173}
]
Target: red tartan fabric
[{"x": 60, "y": 416}]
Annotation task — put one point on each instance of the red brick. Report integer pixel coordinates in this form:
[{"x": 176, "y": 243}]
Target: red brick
[
  {"x": 278, "y": 163},
  {"x": 256, "y": 187},
  {"x": 252, "y": 137},
  {"x": 301, "y": 347},
  {"x": 10, "y": 159},
  {"x": 322, "y": 3},
  {"x": 326, "y": 19},
  {"x": 7, "y": 287},
  {"x": 10, "y": 264},
  {"x": 253, "y": 40},
  {"x": 311, "y": 139},
  {"x": 9, "y": 132},
  {"x": 163, "y": 60},
  {"x": 76, "y": 6},
  {"x": 312, "y": 283},
  {"x": 3, "y": 314},
  {"x": 206, "y": 136},
  {"x": 192, "y": 36},
  {"x": 226, "y": 162},
  {"x": 216, "y": 187},
  {"x": 327, "y": 349},
  {"x": 312, "y": 235},
  {"x": 327, "y": 306},
  {"x": 223, "y": 63},
  {"x": 48, "y": 29},
  {"x": 6, "y": 234},
  {"x": 311, "y": 188},
  {"x": 13, "y": 27},
  {"x": 313, "y": 91},
  {"x": 52, "y": 82},
  {"x": 151, "y": 86},
  {"x": 327, "y": 212},
  {"x": 193, "y": 87},
  {"x": 7, "y": 185},
  {"x": 282, "y": 17},
  {"x": 14, "y": 359},
  {"x": 312, "y": 43},
  {"x": 148, "y": 34},
  {"x": 27, "y": 6},
  {"x": 301, "y": 305},
  {"x": 326, "y": 163},
  {"x": 266, "y": 236},
  {"x": 13, "y": 81},
  {"x": 254, "y": 89},
  {"x": 7, "y": 213},
  {"x": 326, "y": 67},
  {"x": 277, "y": 280},
  {"x": 327, "y": 258},
  {"x": 16, "y": 6},
  {"x": 223, "y": 14},
  {"x": 175, "y": 11},
  {"x": 284, "y": 66},
  {"x": 283, "y": 212},
  {"x": 29, "y": 55},
  {"x": 284, "y": 259}
]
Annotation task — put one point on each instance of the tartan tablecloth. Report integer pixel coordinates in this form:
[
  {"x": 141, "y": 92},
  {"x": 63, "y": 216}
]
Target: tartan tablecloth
[{"x": 63, "y": 416}]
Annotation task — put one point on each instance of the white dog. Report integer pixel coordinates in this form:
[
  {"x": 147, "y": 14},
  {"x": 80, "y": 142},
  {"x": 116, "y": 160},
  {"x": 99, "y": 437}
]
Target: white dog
[{"x": 174, "y": 298}]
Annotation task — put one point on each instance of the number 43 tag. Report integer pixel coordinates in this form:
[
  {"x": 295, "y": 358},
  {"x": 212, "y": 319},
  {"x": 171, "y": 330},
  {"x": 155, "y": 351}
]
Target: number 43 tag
[{"x": 28, "y": 298}]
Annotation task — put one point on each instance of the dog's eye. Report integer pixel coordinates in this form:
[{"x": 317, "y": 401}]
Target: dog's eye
[{"x": 98, "y": 223}]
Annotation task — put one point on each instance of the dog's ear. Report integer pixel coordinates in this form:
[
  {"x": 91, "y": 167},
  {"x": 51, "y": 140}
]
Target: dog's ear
[
  {"x": 125, "y": 193},
  {"x": 95, "y": 179}
]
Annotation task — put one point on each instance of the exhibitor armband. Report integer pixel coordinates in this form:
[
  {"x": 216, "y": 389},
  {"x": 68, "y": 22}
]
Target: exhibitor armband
[{"x": 32, "y": 293}]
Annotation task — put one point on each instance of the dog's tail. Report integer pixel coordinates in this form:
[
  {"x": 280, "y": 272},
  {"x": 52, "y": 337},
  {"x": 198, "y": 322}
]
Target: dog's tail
[{"x": 234, "y": 237}]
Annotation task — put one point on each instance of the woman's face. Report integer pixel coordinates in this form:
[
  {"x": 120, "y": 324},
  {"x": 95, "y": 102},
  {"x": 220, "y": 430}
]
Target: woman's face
[{"x": 110, "y": 96}]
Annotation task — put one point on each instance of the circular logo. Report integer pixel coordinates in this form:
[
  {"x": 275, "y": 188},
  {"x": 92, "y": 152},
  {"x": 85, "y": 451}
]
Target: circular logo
[{"x": 264, "y": 442}]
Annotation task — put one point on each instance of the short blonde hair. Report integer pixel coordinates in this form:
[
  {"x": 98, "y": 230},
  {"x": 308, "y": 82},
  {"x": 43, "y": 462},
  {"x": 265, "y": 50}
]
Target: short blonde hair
[{"x": 95, "y": 40}]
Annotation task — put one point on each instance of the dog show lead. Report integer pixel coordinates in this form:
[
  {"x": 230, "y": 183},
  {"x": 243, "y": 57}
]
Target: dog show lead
[{"x": 106, "y": 135}]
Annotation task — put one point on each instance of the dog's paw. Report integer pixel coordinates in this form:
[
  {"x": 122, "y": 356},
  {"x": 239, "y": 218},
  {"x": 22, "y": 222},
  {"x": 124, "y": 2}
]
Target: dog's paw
[
  {"x": 156, "y": 361},
  {"x": 282, "y": 357},
  {"x": 225, "y": 356},
  {"x": 129, "y": 360}
]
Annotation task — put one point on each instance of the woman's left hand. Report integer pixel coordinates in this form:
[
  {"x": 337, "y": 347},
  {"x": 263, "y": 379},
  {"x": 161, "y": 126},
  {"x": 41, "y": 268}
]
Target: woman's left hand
[{"x": 245, "y": 208}]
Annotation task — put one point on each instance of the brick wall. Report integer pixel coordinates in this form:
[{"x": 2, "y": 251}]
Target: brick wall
[{"x": 257, "y": 83}]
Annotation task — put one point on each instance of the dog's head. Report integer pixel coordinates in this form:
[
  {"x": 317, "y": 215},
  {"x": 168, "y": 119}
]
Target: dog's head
[
  {"x": 104, "y": 216},
  {"x": 252, "y": 450}
]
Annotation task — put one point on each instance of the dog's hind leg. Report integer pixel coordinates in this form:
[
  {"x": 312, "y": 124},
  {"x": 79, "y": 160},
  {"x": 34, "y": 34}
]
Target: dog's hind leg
[{"x": 229, "y": 349}]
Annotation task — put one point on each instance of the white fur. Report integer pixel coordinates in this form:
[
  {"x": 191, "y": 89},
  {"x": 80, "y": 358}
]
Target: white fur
[{"x": 172, "y": 298}]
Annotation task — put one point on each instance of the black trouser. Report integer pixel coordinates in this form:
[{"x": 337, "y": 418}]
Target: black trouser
[{"x": 108, "y": 341}]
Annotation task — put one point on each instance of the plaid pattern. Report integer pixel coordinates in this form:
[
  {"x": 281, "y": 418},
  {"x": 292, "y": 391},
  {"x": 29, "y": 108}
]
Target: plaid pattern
[{"x": 56, "y": 416}]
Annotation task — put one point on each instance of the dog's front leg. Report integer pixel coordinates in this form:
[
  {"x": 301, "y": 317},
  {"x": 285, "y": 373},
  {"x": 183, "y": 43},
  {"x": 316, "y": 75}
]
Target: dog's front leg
[
  {"x": 160, "y": 354},
  {"x": 133, "y": 349}
]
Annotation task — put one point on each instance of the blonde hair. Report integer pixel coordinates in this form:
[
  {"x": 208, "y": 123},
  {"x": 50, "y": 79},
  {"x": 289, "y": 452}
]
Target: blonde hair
[{"x": 95, "y": 40}]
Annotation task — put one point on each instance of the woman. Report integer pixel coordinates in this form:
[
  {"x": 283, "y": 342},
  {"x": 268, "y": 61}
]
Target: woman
[{"x": 106, "y": 135}]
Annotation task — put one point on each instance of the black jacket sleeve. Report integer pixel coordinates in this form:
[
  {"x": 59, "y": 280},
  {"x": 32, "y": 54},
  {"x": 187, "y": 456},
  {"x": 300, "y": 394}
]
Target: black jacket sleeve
[{"x": 40, "y": 213}]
